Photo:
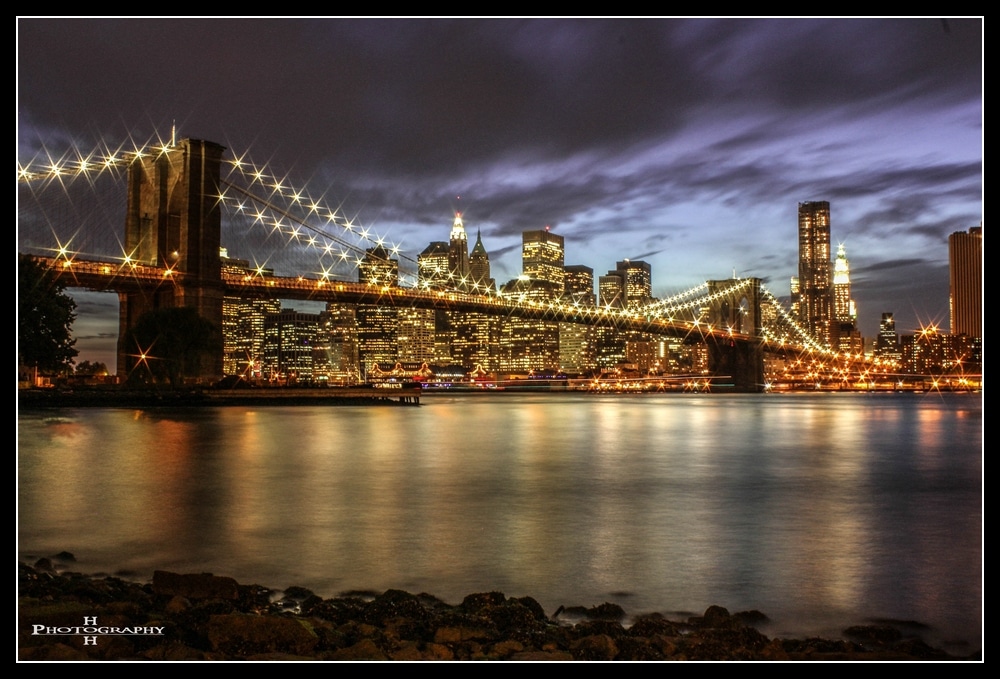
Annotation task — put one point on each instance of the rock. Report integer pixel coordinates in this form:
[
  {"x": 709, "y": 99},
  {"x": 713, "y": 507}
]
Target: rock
[
  {"x": 606, "y": 611},
  {"x": 195, "y": 586},
  {"x": 244, "y": 635}
]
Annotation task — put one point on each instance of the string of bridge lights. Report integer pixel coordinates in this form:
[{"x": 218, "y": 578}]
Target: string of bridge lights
[{"x": 278, "y": 210}]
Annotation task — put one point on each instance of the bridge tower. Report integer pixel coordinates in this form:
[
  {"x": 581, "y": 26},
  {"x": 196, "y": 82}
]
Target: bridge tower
[
  {"x": 174, "y": 221},
  {"x": 736, "y": 305}
]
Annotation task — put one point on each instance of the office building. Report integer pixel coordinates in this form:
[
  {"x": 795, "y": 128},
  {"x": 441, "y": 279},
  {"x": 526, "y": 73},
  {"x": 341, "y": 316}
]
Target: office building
[
  {"x": 243, "y": 323},
  {"x": 965, "y": 266},
  {"x": 815, "y": 291},
  {"x": 637, "y": 283},
  {"x": 338, "y": 342},
  {"x": 543, "y": 258},
  {"x": 290, "y": 340}
]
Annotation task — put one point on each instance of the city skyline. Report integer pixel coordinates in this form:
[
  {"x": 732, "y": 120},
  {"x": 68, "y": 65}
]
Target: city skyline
[{"x": 686, "y": 144}]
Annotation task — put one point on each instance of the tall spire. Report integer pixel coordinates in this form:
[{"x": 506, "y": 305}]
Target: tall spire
[
  {"x": 479, "y": 267},
  {"x": 458, "y": 229},
  {"x": 843, "y": 305},
  {"x": 458, "y": 253}
]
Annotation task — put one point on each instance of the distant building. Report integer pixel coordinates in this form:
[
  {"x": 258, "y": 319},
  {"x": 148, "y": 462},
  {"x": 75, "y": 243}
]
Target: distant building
[
  {"x": 965, "y": 266},
  {"x": 887, "y": 342}
]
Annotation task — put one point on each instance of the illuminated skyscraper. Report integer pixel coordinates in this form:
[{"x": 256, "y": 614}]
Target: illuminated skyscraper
[
  {"x": 290, "y": 340},
  {"x": 638, "y": 282},
  {"x": 965, "y": 265},
  {"x": 458, "y": 253},
  {"x": 543, "y": 258},
  {"x": 815, "y": 292},
  {"x": 843, "y": 305},
  {"x": 844, "y": 313}
]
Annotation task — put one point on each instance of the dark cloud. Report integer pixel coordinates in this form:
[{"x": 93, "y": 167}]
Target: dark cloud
[{"x": 689, "y": 140}]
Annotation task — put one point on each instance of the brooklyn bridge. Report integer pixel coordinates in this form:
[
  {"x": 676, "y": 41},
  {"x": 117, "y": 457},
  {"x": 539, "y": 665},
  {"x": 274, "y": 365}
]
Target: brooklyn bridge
[{"x": 185, "y": 201}]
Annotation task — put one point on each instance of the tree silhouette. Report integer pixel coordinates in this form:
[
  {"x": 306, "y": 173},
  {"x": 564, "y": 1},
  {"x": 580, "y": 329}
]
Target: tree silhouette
[
  {"x": 45, "y": 314},
  {"x": 169, "y": 344}
]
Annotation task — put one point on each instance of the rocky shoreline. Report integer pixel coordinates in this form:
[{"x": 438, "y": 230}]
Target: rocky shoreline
[{"x": 203, "y": 617}]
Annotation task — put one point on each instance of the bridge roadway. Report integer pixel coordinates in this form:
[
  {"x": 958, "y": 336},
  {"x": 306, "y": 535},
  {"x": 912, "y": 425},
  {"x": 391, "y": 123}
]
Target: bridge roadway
[{"x": 128, "y": 277}]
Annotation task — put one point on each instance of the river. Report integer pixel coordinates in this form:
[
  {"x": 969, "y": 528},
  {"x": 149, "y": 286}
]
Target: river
[{"x": 821, "y": 510}]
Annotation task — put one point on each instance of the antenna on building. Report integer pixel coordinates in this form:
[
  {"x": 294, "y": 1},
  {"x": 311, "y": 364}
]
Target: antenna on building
[{"x": 173, "y": 134}]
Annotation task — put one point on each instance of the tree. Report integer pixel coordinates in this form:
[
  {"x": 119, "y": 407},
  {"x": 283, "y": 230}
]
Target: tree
[
  {"x": 170, "y": 344},
  {"x": 45, "y": 314}
]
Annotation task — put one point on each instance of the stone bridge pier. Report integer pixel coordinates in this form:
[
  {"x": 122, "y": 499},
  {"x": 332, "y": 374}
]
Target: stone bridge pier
[
  {"x": 173, "y": 220},
  {"x": 736, "y": 306}
]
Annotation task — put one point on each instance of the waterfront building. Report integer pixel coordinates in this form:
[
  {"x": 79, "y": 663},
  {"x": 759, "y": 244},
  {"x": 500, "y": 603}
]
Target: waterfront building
[
  {"x": 339, "y": 344},
  {"x": 815, "y": 292},
  {"x": 415, "y": 335},
  {"x": 965, "y": 267},
  {"x": 378, "y": 325},
  {"x": 289, "y": 345},
  {"x": 243, "y": 324}
]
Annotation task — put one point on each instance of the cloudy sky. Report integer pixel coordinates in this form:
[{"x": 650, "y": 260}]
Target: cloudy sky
[{"x": 686, "y": 143}]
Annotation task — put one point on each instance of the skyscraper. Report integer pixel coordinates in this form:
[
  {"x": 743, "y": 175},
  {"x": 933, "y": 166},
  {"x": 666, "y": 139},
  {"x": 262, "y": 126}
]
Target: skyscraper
[
  {"x": 458, "y": 253},
  {"x": 638, "y": 282},
  {"x": 543, "y": 258},
  {"x": 965, "y": 266},
  {"x": 848, "y": 337},
  {"x": 843, "y": 305},
  {"x": 815, "y": 292}
]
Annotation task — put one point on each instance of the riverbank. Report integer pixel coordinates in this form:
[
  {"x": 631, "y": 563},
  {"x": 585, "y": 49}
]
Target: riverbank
[{"x": 202, "y": 617}]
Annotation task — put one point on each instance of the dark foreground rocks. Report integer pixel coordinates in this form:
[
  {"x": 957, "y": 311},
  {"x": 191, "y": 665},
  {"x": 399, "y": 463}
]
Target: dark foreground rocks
[{"x": 71, "y": 616}]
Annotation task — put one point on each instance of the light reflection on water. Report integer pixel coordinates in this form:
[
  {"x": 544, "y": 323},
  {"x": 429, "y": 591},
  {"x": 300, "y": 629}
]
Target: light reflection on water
[{"x": 820, "y": 510}]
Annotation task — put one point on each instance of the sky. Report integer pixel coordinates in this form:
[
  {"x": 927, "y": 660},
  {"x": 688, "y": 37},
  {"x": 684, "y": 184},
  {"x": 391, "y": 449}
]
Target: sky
[{"x": 686, "y": 143}]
